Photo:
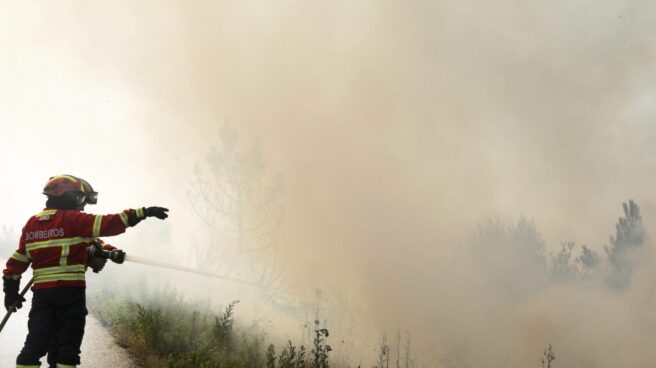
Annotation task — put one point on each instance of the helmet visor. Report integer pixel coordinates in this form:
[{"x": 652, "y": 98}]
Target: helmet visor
[
  {"x": 81, "y": 198},
  {"x": 91, "y": 197},
  {"x": 78, "y": 198}
]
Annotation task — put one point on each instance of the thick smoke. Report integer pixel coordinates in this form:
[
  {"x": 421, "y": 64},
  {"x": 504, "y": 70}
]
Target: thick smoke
[{"x": 396, "y": 128}]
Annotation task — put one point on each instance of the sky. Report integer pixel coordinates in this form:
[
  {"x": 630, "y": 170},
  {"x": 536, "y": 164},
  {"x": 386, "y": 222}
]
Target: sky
[{"x": 396, "y": 127}]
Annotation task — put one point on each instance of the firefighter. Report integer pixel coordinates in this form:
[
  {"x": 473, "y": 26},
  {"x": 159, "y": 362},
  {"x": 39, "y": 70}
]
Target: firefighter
[
  {"x": 96, "y": 264},
  {"x": 55, "y": 243}
]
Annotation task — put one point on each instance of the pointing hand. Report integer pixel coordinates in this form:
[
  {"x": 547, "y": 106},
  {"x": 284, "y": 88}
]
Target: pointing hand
[{"x": 159, "y": 212}]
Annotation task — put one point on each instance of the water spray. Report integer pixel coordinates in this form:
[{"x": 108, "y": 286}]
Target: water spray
[
  {"x": 96, "y": 251},
  {"x": 170, "y": 266},
  {"x": 99, "y": 252}
]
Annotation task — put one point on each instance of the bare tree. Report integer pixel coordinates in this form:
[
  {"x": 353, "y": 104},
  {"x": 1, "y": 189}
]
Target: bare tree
[{"x": 232, "y": 195}]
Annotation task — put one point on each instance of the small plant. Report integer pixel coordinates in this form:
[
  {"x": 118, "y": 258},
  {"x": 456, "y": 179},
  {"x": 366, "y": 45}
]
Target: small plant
[
  {"x": 383, "y": 353},
  {"x": 222, "y": 329},
  {"x": 287, "y": 356},
  {"x": 299, "y": 362},
  {"x": 548, "y": 357},
  {"x": 321, "y": 349},
  {"x": 270, "y": 356},
  {"x": 148, "y": 323}
]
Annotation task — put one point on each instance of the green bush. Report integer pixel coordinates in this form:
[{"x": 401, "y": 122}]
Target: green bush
[{"x": 174, "y": 334}]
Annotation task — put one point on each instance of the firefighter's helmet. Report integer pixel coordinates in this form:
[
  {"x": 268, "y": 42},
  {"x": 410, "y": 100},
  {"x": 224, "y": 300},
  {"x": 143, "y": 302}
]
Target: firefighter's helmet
[{"x": 72, "y": 187}]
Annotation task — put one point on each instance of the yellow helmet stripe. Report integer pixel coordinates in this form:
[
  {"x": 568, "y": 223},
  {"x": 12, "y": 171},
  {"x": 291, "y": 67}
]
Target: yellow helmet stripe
[{"x": 69, "y": 177}]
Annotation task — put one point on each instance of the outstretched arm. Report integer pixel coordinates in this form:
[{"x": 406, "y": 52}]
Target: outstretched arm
[{"x": 94, "y": 226}]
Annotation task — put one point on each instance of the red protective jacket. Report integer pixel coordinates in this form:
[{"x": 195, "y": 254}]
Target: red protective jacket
[{"x": 55, "y": 242}]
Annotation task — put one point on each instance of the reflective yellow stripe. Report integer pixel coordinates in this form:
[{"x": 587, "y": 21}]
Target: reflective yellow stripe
[
  {"x": 20, "y": 258},
  {"x": 124, "y": 218},
  {"x": 71, "y": 178},
  {"x": 55, "y": 243},
  {"x": 58, "y": 269},
  {"x": 59, "y": 277},
  {"x": 46, "y": 213},
  {"x": 140, "y": 212},
  {"x": 66, "y": 249},
  {"x": 27, "y": 366},
  {"x": 96, "y": 226}
]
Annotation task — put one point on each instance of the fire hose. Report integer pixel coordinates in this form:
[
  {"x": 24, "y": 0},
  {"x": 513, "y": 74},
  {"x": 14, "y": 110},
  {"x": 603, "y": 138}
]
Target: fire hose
[
  {"x": 170, "y": 266},
  {"x": 96, "y": 251}
]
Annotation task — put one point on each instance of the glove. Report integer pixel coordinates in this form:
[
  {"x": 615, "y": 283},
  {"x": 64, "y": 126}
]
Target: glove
[
  {"x": 135, "y": 216},
  {"x": 13, "y": 300},
  {"x": 159, "y": 212},
  {"x": 97, "y": 263},
  {"x": 117, "y": 256}
]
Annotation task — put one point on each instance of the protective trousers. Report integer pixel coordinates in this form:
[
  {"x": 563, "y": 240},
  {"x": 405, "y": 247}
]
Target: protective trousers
[{"x": 56, "y": 323}]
